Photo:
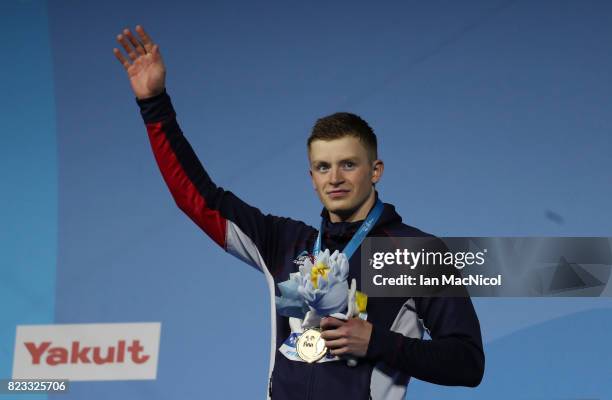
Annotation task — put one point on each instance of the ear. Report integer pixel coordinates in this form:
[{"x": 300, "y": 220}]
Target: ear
[
  {"x": 312, "y": 180},
  {"x": 378, "y": 168}
]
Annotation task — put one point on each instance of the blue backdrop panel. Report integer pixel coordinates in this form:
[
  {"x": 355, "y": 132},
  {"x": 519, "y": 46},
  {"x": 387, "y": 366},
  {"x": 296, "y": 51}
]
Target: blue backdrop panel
[
  {"x": 28, "y": 172},
  {"x": 493, "y": 119}
]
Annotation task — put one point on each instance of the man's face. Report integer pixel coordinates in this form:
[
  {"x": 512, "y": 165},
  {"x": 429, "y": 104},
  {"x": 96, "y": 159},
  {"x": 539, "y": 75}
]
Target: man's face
[{"x": 342, "y": 174}]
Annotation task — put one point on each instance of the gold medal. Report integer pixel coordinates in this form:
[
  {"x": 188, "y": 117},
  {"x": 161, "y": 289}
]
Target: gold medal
[{"x": 310, "y": 346}]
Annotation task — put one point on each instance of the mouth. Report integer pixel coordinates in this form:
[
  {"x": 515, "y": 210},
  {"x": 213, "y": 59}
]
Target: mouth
[{"x": 339, "y": 193}]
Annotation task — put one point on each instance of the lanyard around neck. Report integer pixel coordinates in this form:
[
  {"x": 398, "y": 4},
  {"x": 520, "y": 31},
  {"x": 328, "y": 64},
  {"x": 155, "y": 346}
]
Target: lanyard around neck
[{"x": 358, "y": 237}]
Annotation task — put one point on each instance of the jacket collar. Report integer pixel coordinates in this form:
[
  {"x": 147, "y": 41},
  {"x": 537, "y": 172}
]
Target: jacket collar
[{"x": 342, "y": 231}]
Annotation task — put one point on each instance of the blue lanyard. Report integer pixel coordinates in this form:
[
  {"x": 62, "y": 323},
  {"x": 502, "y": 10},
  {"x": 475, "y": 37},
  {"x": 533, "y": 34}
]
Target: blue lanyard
[{"x": 361, "y": 233}]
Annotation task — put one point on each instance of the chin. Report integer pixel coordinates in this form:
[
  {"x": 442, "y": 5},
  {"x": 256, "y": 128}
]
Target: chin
[
  {"x": 341, "y": 209},
  {"x": 339, "y": 205}
]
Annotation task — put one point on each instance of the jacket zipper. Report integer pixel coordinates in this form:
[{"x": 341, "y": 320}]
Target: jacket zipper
[{"x": 311, "y": 381}]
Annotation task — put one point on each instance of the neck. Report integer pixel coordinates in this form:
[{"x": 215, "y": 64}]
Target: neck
[{"x": 358, "y": 214}]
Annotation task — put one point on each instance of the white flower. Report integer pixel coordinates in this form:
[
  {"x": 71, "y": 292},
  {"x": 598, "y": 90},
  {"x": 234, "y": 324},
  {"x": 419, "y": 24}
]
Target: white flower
[{"x": 324, "y": 285}]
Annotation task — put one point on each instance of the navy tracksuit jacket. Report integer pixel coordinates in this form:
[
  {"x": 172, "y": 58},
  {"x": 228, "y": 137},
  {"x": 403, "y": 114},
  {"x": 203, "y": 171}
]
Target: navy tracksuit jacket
[{"x": 453, "y": 356}]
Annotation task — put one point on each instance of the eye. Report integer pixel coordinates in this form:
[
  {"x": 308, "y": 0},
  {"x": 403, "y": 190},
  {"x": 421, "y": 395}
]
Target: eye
[
  {"x": 322, "y": 168},
  {"x": 348, "y": 165}
]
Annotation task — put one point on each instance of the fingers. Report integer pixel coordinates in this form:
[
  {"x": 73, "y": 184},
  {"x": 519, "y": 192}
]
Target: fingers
[
  {"x": 121, "y": 58},
  {"x": 348, "y": 337},
  {"x": 127, "y": 47},
  {"x": 141, "y": 51},
  {"x": 336, "y": 340},
  {"x": 144, "y": 38},
  {"x": 336, "y": 344},
  {"x": 333, "y": 334},
  {"x": 135, "y": 47},
  {"x": 331, "y": 323}
]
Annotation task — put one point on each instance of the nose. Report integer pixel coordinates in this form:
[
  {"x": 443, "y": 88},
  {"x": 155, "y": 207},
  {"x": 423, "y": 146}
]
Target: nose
[{"x": 336, "y": 177}]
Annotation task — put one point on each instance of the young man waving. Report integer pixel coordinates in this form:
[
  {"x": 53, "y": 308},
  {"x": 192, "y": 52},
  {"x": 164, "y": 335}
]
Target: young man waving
[{"x": 369, "y": 352}]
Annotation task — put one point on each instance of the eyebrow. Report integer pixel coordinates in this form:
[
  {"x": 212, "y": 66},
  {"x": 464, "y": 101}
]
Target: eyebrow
[
  {"x": 351, "y": 159},
  {"x": 318, "y": 162}
]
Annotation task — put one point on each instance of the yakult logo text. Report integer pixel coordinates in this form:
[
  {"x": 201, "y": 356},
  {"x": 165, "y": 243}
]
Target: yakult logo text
[
  {"x": 83, "y": 354},
  {"x": 87, "y": 351}
]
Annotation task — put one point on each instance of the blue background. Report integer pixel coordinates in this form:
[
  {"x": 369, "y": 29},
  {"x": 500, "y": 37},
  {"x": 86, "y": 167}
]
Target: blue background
[{"x": 493, "y": 117}]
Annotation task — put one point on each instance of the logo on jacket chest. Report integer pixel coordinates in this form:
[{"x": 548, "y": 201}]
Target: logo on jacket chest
[{"x": 300, "y": 260}]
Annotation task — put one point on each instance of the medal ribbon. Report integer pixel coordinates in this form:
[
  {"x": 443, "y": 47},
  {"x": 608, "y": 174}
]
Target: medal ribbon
[{"x": 359, "y": 236}]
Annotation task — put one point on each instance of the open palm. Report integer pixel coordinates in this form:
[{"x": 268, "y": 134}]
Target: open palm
[{"x": 145, "y": 67}]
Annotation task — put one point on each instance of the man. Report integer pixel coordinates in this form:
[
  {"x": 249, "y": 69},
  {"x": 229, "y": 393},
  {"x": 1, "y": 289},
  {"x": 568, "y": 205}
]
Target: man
[{"x": 386, "y": 347}]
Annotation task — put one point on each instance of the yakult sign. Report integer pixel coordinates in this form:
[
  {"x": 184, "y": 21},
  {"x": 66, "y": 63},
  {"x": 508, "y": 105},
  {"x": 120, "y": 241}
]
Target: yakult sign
[{"x": 87, "y": 352}]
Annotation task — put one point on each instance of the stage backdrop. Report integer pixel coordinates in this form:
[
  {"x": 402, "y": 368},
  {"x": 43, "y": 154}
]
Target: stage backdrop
[{"x": 493, "y": 119}]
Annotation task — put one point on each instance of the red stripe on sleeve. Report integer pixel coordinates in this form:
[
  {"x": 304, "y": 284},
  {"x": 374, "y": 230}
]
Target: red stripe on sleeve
[{"x": 186, "y": 195}]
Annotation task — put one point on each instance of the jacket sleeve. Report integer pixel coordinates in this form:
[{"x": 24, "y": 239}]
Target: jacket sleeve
[
  {"x": 454, "y": 355},
  {"x": 238, "y": 228}
]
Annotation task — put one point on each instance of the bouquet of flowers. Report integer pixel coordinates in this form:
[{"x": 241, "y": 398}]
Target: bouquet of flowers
[{"x": 318, "y": 290}]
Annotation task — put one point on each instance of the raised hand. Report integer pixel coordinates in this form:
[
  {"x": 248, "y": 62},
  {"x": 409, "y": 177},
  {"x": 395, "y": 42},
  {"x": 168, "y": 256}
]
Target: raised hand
[{"x": 145, "y": 66}]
